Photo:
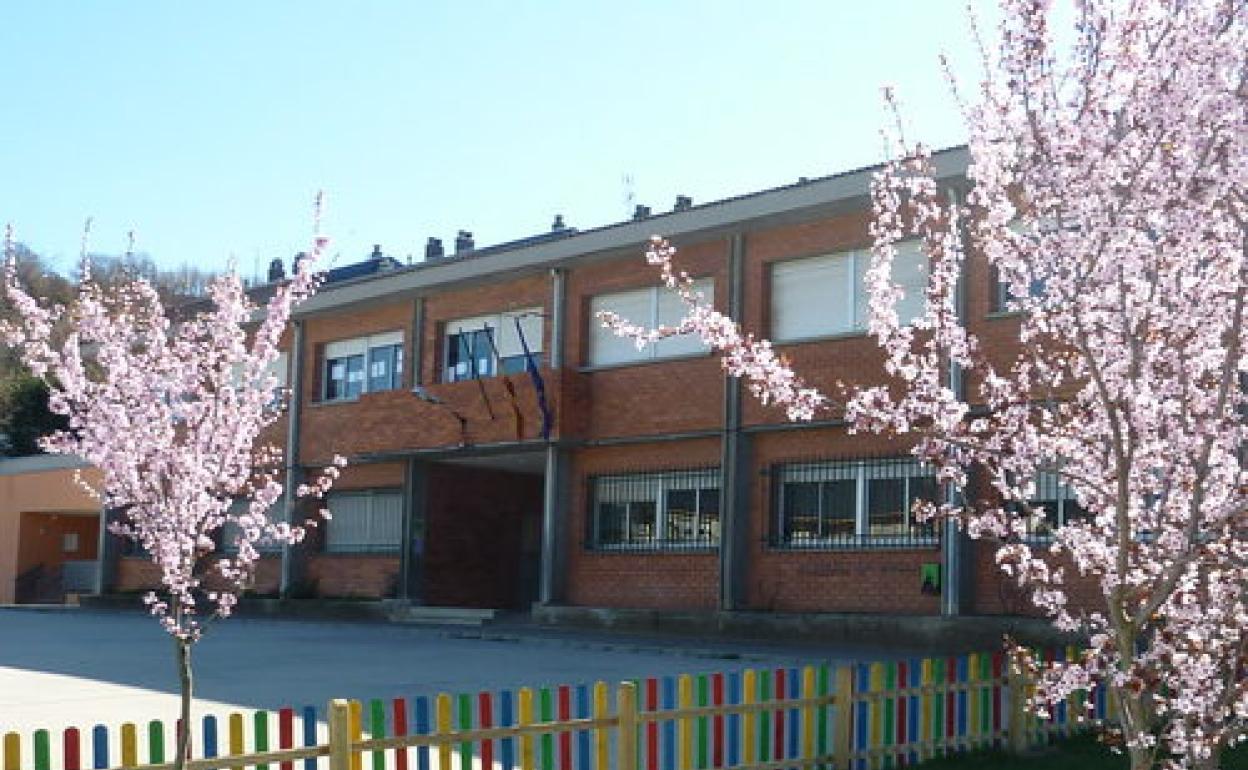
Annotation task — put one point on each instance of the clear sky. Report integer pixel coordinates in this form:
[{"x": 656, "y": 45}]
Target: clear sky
[{"x": 207, "y": 128}]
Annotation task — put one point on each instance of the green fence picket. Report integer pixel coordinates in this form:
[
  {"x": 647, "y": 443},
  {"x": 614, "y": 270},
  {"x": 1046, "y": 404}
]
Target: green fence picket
[
  {"x": 463, "y": 707},
  {"x": 377, "y": 729},
  {"x": 546, "y": 712},
  {"x": 155, "y": 742},
  {"x": 260, "y": 734},
  {"x": 43, "y": 750},
  {"x": 704, "y": 737}
]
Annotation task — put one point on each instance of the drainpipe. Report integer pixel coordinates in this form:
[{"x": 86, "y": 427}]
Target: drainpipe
[
  {"x": 734, "y": 451},
  {"x": 555, "y": 490},
  {"x": 292, "y": 567}
]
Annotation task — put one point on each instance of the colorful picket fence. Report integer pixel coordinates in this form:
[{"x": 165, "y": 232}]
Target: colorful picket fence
[{"x": 877, "y": 715}]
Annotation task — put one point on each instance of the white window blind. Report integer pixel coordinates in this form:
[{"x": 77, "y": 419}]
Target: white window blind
[
  {"x": 826, "y": 295},
  {"x": 364, "y": 521},
  {"x": 650, "y": 307}
]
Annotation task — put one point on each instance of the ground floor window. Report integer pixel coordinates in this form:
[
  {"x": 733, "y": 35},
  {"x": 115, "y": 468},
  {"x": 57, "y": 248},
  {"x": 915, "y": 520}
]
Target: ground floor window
[
  {"x": 851, "y": 503},
  {"x": 369, "y": 521},
  {"x": 655, "y": 511},
  {"x": 1054, "y": 502}
]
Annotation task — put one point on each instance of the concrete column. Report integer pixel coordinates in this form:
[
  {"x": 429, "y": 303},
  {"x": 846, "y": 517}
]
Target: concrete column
[
  {"x": 106, "y": 555},
  {"x": 413, "y": 373},
  {"x": 558, "y": 289},
  {"x": 412, "y": 555},
  {"x": 554, "y": 527},
  {"x": 956, "y": 548},
  {"x": 734, "y": 508},
  {"x": 293, "y": 557}
]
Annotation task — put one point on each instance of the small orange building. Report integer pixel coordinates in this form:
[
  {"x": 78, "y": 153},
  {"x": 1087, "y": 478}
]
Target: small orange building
[{"x": 49, "y": 529}]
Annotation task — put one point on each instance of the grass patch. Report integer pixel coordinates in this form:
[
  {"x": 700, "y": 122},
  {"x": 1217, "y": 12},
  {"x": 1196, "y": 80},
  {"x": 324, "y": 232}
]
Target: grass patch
[{"x": 1080, "y": 753}]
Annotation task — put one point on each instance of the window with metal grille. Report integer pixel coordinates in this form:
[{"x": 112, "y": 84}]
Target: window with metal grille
[
  {"x": 655, "y": 511},
  {"x": 869, "y": 502},
  {"x": 1055, "y": 501},
  {"x": 229, "y": 531},
  {"x": 369, "y": 521}
]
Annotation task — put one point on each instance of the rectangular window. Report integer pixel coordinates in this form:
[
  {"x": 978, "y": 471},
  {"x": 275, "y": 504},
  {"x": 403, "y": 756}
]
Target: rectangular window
[
  {"x": 228, "y": 534},
  {"x": 650, "y": 307},
  {"x": 489, "y": 345},
  {"x": 655, "y": 511},
  {"x": 363, "y": 365},
  {"x": 1056, "y": 501},
  {"x": 827, "y": 295},
  {"x": 858, "y": 502},
  {"x": 364, "y": 522}
]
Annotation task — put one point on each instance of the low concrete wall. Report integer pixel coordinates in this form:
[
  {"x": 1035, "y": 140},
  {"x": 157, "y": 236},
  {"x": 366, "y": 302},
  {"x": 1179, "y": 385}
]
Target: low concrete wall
[{"x": 939, "y": 633}]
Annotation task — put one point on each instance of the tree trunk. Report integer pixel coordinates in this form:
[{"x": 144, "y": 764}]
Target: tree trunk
[{"x": 184, "y": 721}]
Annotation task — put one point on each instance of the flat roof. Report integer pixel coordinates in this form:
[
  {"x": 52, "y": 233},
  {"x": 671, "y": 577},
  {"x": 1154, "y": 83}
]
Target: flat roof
[
  {"x": 14, "y": 466},
  {"x": 803, "y": 199}
]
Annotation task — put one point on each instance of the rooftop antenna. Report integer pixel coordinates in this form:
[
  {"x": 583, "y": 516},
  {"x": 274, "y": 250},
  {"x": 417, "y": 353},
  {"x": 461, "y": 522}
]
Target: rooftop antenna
[{"x": 628, "y": 184}]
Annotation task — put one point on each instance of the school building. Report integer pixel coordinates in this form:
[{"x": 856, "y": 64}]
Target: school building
[{"x": 508, "y": 452}]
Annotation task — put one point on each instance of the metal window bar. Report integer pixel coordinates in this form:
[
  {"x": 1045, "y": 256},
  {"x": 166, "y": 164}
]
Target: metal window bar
[
  {"x": 851, "y": 503},
  {"x": 673, "y": 510}
]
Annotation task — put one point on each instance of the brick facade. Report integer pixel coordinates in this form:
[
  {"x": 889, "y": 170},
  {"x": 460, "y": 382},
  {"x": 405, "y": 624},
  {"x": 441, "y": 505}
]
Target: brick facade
[{"x": 479, "y": 506}]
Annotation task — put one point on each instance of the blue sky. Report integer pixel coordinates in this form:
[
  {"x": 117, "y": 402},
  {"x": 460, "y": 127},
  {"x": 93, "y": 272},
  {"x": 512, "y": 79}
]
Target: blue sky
[{"x": 209, "y": 131}]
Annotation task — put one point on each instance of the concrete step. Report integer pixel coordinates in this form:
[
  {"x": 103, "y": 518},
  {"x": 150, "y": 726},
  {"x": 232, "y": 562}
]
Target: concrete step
[{"x": 441, "y": 616}]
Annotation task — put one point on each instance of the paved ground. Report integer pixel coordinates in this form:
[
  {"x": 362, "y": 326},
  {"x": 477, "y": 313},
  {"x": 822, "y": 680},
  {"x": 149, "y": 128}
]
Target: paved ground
[{"x": 83, "y": 667}]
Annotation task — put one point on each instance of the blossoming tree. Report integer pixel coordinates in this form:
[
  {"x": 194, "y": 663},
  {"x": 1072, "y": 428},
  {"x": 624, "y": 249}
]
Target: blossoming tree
[
  {"x": 171, "y": 415},
  {"x": 1109, "y": 195}
]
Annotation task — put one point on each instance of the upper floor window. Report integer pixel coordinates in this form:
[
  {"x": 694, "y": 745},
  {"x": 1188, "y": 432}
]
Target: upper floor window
[
  {"x": 651, "y": 307},
  {"x": 363, "y": 365},
  {"x": 654, "y": 511},
  {"x": 488, "y": 345},
  {"x": 827, "y": 295},
  {"x": 867, "y": 502}
]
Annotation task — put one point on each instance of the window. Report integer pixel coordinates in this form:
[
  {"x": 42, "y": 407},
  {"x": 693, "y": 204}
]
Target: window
[
  {"x": 368, "y": 521},
  {"x": 228, "y": 534},
  {"x": 827, "y": 295},
  {"x": 489, "y": 345},
  {"x": 1056, "y": 500},
  {"x": 869, "y": 502},
  {"x": 363, "y": 365},
  {"x": 651, "y": 307},
  {"x": 654, "y": 511},
  {"x": 1003, "y": 299}
]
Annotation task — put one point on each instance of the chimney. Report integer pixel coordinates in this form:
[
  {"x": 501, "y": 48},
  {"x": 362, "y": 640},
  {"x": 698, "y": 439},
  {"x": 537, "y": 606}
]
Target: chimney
[
  {"x": 641, "y": 212},
  {"x": 376, "y": 252},
  {"x": 433, "y": 249},
  {"x": 277, "y": 270},
  {"x": 463, "y": 242},
  {"x": 558, "y": 225},
  {"x": 683, "y": 203}
]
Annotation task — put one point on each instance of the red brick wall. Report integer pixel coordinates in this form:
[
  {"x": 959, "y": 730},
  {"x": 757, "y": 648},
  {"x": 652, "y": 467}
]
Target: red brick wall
[
  {"x": 138, "y": 573},
  {"x": 673, "y": 581},
  {"x": 353, "y": 575},
  {"x": 657, "y": 396},
  {"x": 479, "y": 523}
]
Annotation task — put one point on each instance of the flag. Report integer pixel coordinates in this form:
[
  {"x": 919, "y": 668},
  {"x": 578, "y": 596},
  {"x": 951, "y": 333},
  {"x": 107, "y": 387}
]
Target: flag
[{"x": 538, "y": 385}]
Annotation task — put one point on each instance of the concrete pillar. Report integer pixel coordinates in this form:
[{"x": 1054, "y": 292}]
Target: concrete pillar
[
  {"x": 553, "y": 574},
  {"x": 412, "y": 555},
  {"x": 956, "y": 547},
  {"x": 106, "y": 555},
  {"x": 413, "y": 372},
  {"x": 734, "y": 506},
  {"x": 558, "y": 284},
  {"x": 293, "y": 557}
]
